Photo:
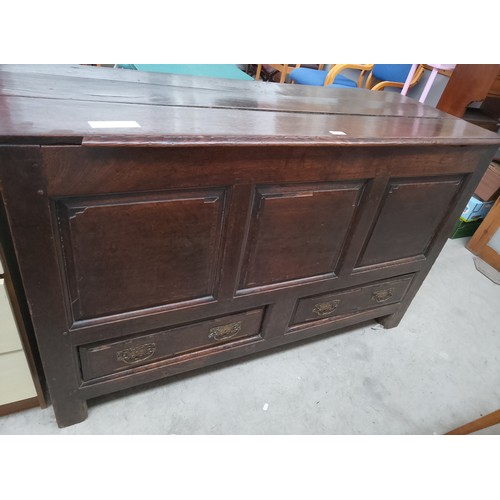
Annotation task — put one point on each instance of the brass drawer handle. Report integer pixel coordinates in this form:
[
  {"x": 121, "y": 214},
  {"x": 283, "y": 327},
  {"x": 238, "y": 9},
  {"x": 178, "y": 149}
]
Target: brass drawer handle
[
  {"x": 224, "y": 332},
  {"x": 136, "y": 354},
  {"x": 382, "y": 295},
  {"x": 325, "y": 308}
]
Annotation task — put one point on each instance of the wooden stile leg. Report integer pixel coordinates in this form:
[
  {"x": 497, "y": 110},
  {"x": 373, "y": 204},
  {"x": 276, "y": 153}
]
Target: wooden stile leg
[
  {"x": 69, "y": 411},
  {"x": 391, "y": 321}
]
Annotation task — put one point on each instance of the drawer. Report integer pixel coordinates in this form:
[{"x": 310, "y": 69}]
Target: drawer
[
  {"x": 352, "y": 300},
  {"x": 9, "y": 336},
  {"x": 109, "y": 358}
]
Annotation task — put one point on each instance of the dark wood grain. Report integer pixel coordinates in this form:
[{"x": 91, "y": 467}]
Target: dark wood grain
[
  {"x": 51, "y": 72},
  {"x": 171, "y": 242},
  {"x": 84, "y": 89},
  {"x": 351, "y": 301},
  {"x": 173, "y": 109},
  {"x": 408, "y": 218},
  {"x": 290, "y": 222},
  {"x": 68, "y": 120},
  {"x": 104, "y": 359},
  {"x": 216, "y": 229},
  {"x": 444, "y": 230},
  {"x": 32, "y": 231},
  {"x": 168, "y": 368},
  {"x": 21, "y": 313},
  {"x": 78, "y": 171}
]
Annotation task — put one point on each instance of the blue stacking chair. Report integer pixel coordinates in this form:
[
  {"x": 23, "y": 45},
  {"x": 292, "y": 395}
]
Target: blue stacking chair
[{"x": 387, "y": 75}]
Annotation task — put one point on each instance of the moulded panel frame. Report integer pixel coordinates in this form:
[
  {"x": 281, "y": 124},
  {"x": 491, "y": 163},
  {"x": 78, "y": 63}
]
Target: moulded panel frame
[
  {"x": 65, "y": 207},
  {"x": 460, "y": 180},
  {"x": 270, "y": 191}
]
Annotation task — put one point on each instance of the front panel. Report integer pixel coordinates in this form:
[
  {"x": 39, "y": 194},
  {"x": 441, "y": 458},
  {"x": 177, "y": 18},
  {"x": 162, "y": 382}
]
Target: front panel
[
  {"x": 297, "y": 231},
  {"x": 115, "y": 243},
  {"x": 122, "y": 253}
]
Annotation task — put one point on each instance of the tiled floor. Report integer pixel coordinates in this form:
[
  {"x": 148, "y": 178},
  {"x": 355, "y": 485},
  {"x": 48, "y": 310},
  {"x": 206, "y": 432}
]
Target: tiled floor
[{"x": 439, "y": 369}]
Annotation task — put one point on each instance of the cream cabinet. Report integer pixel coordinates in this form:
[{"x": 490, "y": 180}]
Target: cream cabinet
[{"x": 17, "y": 389}]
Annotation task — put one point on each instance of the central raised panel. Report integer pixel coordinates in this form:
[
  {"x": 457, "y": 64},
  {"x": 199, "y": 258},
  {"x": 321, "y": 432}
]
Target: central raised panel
[
  {"x": 297, "y": 231},
  {"x": 125, "y": 253}
]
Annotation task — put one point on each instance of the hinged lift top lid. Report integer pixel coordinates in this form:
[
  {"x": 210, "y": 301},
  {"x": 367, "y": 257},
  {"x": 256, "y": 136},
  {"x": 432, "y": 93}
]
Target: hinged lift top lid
[{"x": 59, "y": 104}]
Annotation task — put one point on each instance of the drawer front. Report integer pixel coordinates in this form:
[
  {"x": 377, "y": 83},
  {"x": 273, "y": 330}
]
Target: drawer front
[
  {"x": 106, "y": 359},
  {"x": 351, "y": 301},
  {"x": 9, "y": 336}
]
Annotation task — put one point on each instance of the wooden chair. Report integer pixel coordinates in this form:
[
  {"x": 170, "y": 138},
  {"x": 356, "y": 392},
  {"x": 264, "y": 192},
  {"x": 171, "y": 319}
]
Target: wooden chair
[{"x": 476, "y": 425}]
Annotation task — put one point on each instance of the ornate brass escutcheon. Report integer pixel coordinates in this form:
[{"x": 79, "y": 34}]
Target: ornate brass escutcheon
[
  {"x": 136, "y": 354},
  {"x": 382, "y": 295},
  {"x": 224, "y": 332},
  {"x": 326, "y": 308}
]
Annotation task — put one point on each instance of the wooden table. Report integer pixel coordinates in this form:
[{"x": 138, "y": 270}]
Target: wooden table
[{"x": 205, "y": 220}]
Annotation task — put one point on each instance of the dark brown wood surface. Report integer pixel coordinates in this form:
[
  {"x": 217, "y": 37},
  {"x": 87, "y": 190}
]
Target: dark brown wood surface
[
  {"x": 22, "y": 318},
  {"x": 135, "y": 229},
  {"x": 98, "y": 90},
  {"x": 351, "y": 301},
  {"x": 52, "y": 72},
  {"x": 288, "y": 223},
  {"x": 224, "y": 227},
  {"x": 171, "y": 113},
  {"x": 104, "y": 359},
  {"x": 406, "y": 204}
]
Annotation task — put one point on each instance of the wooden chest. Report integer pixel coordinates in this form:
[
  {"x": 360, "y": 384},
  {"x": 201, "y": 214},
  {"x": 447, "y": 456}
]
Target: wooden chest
[{"x": 230, "y": 218}]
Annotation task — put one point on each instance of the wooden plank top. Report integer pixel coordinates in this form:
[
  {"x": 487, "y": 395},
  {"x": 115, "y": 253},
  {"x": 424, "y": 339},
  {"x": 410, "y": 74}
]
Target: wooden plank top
[{"x": 53, "y": 104}]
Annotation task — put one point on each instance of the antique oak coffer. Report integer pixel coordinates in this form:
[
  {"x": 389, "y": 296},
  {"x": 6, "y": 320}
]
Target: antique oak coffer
[{"x": 162, "y": 223}]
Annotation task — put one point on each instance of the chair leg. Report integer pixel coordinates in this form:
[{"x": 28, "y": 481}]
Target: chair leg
[
  {"x": 477, "y": 425},
  {"x": 428, "y": 85},
  {"x": 409, "y": 78}
]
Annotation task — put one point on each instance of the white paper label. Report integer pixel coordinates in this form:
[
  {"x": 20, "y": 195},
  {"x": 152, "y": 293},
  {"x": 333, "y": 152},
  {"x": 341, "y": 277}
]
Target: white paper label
[
  {"x": 114, "y": 124},
  {"x": 337, "y": 132}
]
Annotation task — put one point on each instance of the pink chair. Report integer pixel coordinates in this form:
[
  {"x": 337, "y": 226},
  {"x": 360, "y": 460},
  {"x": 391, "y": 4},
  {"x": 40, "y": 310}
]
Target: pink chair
[{"x": 430, "y": 81}]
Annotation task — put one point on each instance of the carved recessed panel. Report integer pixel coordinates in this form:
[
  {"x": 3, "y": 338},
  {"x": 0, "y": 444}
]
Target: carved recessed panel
[
  {"x": 297, "y": 231},
  {"x": 127, "y": 253},
  {"x": 410, "y": 215}
]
